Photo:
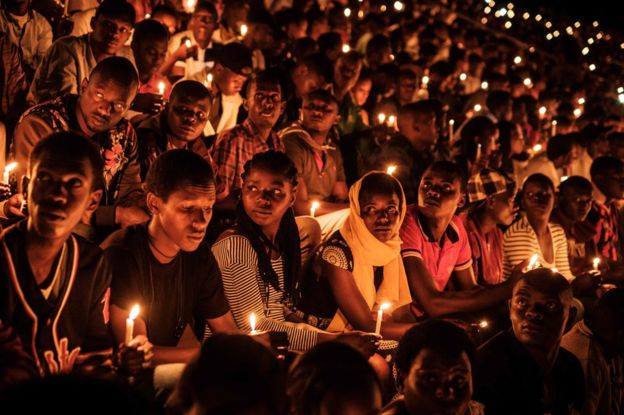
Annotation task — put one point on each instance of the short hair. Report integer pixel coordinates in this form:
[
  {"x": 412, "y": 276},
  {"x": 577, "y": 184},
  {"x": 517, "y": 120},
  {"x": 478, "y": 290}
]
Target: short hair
[
  {"x": 322, "y": 95},
  {"x": 418, "y": 109},
  {"x": 175, "y": 169},
  {"x": 207, "y": 6},
  {"x": 540, "y": 180},
  {"x": 118, "y": 70},
  {"x": 579, "y": 184},
  {"x": 274, "y": 162},
  {"x": 150, "y": 30},
  {"x": 407, "y": 74},
  {"x": 164, "y": 9},
  {"x": 116, "y": 9},
  {"x": 449, "y": 168},
  {"x": 479, "y": 126},
  {"x": 440, "y": 336},
  {"x": 268, "y": 79},
  {"x": 315, "y": 64},
  {"x": 379, "y": 183},
  {"x": 611, "y": 306},
  {"x": 66, "y": 145},
  {"x": 376, "y": 43},
  {"x": 605, "y": 165},
  {"x": 189, "y": 91},
  {"x": 497, "y": 100},
  {"x": 558, "y": 146},
  {"x": 548, "y": 281}
]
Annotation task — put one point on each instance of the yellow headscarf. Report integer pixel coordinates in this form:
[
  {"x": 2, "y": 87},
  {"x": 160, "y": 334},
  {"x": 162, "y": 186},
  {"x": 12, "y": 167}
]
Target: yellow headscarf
[{"x": 369, "y": 252}]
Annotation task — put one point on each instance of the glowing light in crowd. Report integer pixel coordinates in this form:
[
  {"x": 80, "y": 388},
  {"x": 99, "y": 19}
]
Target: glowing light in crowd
[
  {"x": 346, "y": 48},
  {"x": 391, "y": 169},
  {"x": 577, "y": 24},
  {"x": 484, "y": 85},
  {"x": 483, "y": 324},
  {"x": 599, "y": 35},
  {"x": 147, "y": 15},
  {"x": 398, "y": 6},
  {"x": 526, "y": 16},
  {"x": 314, "y": 206},
  {"x": 578, "y": 112},
  {"x": 537, "y": 148},
  {"x": 382, "y": 307},
  {"x": 596, "y": 263},
  {"x": 7, "y": 171},
  {"x": 542, "y": 110},
  {"x": 502, "y": 11},
  {"x": 507, "y": 25},
  {"x": 383, "y": 8},
  {"x": 347, "y": 12},
  {"x": 189, "y": 5},
  {"x": 621, "y": 98},
  {"x": 569, "y": 30},
  {"x": 487, "y": 10},
  {"x": 538, "y": 17},
  {"x": 243, "y": 30},
  {"x": 360, "y": 14},
  {"x": 161, "y": 88},
  {"x": 549, "y": 36},
  {"x": 484, "y": 20},
  {"x": 581, "y": 101},
  {"x": 548, "y": 25},
  {"x": 477, "y": 107},
  {"x": 595, "y": 24},
  {"x": 510, "y": 6},
  {"x": 463, "y": 77},
  {"x": 391, "y": 121},
  {"x": 134, "y": 312},
  {"x": 585, "y": 50},
  {"x": 381, "y": 117},
  {"x": 187, "y": 43},
  {"x": 590, "y": 41},
  {"x": 425, "y": 80},
  {"x": 511, "y": 14},
  {"x": 252, "y": 323},
  {"x": 527, "y": 82},
  {"x": 556, "y": 33},
  {"x": 564, "y": 178},
  {"x": 620, "y": 89},
  {"x": 533, "y": 262},
  {"x": 592, "y": 67}
]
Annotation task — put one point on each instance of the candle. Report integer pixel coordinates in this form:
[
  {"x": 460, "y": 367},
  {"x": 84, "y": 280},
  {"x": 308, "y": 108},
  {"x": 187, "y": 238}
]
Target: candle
[
  {"x": 7, "y": 171},
  {"x": 346, "y": 48},
  {"x": 161, "y": 88},
  {"x": 189, "y": 6},
  {"x": 542, "y": 111},
  {"x": 425, "y": 81},
  {"x": 187, "y": 43},
  {"x": 527, "y": 82},
  {"x": 478, "y": 153},
  {"x": 483, "y": 324},
  {"x": 596, "y": 263},
  {"x": 463, "y": 77},
  {"x": 398, "y": 6},
  {"x": 347, "y": 12},
  {"x": 382, "y": 307},
  {"x": 451, "y": 126},
  {"x": 391, "y": 169},
  {"x": 553, "y": 128},
  {"x": 485, "y": 85},
  {"x": 381, "y": 117},
  {"x": 134, "y": 312},
  {"x": 537, "y": 148},
  {"x": 252, "y": 323},
  {"x": 209, "y": 81},
  {"x": 315, "y": 205},
  {"x": 477, "y": 107},
  {"x": 243, "y": 30},
  {"x": 532, "y": 262},
  {"x": 563, "y": 178},
  {"x": 391, "y": 121}
]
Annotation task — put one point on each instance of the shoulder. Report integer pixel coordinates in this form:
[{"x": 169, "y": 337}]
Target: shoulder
[
  {"x": 125, "y": 241},
  {"x": 519, "y": 225},
  {"x": 232, "y": 245},
  {"x": 459, "y": 227},
  {"x": 336, "y": 252}
]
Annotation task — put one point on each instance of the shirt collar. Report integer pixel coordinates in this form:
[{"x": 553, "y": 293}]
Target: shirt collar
[{"x": 451, "y": 233}]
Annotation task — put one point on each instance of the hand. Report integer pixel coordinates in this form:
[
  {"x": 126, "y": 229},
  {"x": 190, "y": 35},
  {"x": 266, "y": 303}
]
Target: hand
[
  {"x": 66, "y": 358},
  {"x": 518, "y": 271},
  {"x": 13, "y": 206},
  {"x": 132, "y": 215},
  {"x": 183, "y": 52},
  {"x": 148, "y": 103},
  {"x": 366, "y": 343},
  {"x": 136, "y": 356}
]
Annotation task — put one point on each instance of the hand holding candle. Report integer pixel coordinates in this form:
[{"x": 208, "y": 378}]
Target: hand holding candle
[
  {"x": 134, "y": 312},
  {"x": 380, "y": 311},
  {"x": 314, "y": 206}
]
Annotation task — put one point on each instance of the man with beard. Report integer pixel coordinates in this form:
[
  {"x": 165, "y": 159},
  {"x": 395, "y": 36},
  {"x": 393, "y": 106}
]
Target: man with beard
[
  {"x": 71, "y": 59},
  {"x": 181, "y": 125},
  {"x": 524, "y": 370},
  {"x": 436, "y": 250},
  {"x": 54, "y": 284},
  {"x": 97, "y": 114}
]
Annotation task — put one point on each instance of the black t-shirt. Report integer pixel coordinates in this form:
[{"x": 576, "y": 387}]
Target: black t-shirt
[{"x": 188, "y": 290}]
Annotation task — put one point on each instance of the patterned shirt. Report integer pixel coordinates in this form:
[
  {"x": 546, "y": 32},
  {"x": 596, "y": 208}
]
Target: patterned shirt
[
  {"x": 33, "y": 38},
  {"x": 606, "y": 219},
  {"x": 233, "y": 149}
]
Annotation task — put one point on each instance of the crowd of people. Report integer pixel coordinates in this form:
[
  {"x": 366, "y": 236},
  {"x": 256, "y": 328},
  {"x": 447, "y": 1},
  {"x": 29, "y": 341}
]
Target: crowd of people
[{"x": 310, "y": 207}]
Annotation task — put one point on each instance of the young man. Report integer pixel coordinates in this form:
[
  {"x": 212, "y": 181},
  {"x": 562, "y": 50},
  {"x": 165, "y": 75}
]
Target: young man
[
  {"x": 436, "y": 250},
  {"x": 524, "y": 370},
  {"x": 163, "y": 265},
  {"x": 71, "y": 59},
  {"x": 181, "y": 125},
  {"x": 236, "y": 146},
  {"x": 598, "y": 343},
  {"x": 53, "y": 283},
  {"x": 554, "y": 163},
  {"x": 311, "y": 146},
  {"x": 491, "y": 195},
  {"x": 307, "y": 75},
  {"x": 96, "y": 113}
]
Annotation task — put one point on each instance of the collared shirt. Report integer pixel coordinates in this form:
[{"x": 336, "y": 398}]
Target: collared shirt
[
  {"x": 451, "y": 253},
  {"x": 195, "y": 68},
  {"x": 607, "y": 239},
  {"x": 34, "y": 38},
  {"x": 487, "y": 252},
  {"x": 233, "y": 149}
]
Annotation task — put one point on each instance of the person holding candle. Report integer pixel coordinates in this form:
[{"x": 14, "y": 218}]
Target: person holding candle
[
  {"x": 511, "y": 142},
  {"x": 555, "y": 162},
  {"x": 478, "y": 146},
  {"x": 234, "y": 15}
]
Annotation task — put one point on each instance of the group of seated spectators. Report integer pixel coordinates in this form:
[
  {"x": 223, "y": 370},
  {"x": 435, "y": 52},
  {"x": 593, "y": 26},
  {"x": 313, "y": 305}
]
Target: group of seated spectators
[{"x": 309, "y": 207}]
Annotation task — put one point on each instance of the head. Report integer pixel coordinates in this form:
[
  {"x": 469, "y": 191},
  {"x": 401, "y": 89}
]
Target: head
[
  {"x": 540, "y": 309},
  {"x": 187, "y": 110},
  {"x": 381, "y": 203},
  {"x": 65, "y": 184},
  {"x": 348, "y": 66},
  {"x": 320, "y": 112},
  {"x": 559, "y": 150},
  {"x": 180, "y": 189},
  {"x": 333, "y": 378},
  {"x": 407, "y": 84},
  {"x": 112, "y": 25},
  {"x": 107, "y": 94},
  {"x": 149, "y": 46},
  {"x": 233, "y": 374},
  {"x": 167, "y": 16},
  {"x": 269, "y": 188},
  {"x": 233, "y": 67},
  {"x": 607, "y": 174},
  {"x": 378, "y": 51},
  {"x": 308, "y": 75},
  {"x": 235, "y": 13},
  {"x": 361, "y": 89},
  {"x": 575, "y": 197},
  {"x": 500, "y": 104},
  {"x": 264, "y": 100},
  {"x": 538, "y": 197},
  {"x": 491, "y": 192},
  {"x": 511, "y": 138},
  {"x": 204, "y": 21},
  {"x": 479, "y": 130},
  {"x": 441, "y": 190},
  {"x": 417, "y": 122},
  {"x": 606, "y": 320},
  {"x": 434, "y": 362}
]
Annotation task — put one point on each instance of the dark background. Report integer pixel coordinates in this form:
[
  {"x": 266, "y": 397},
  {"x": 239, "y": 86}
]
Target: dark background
[{"x": 609, "y": 13}]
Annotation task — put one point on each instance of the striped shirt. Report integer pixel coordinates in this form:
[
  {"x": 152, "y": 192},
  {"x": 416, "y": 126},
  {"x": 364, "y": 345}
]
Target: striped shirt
[
  {"x": 520, "y": 243},
  {"x": 245, "y": 292}
]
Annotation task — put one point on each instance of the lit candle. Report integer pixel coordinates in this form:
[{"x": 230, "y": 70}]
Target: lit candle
[
  {"x": 527, "y": 82},
  {"x": 563, "y": 178},
  {"x": 161, "y": 88},
  {"x": 187, "y": 43},
  {"x": 346, "y": 48},
  {"x": 252, "y": 323},
  {"x": 391, "y": 169},
  {"x": 243, "y": 30},
  {"x": 189, "y": 6},
  {"x": 451, "y": 126},
  {"x": 463, "y": 77},
  {"x": 398, "y": 6},
  {"x": 596, "y": 264},
  {"x": 134, "y": 312},
  {"x": 478, "y": 153},
  {"x": 537, "y": 148},
  {"x": 477, "y": 107},
  {"x": 382, "y": 307},
  {"x": 577, "y": 112},
  {"x": 553, "y": 128},
  {"x": 485, "y": 85},
  {"x": 7, "y": 171},
  {"x": 425, "y": 81},
  {"x": 381, "y": 117},
  {"x": 209, "y": 81},
  {"x": 484, "y": 324},
  {"x": 532, "y": 262},
  {"x": 391, "y": 121},
  {"x": 347, "y": 12},
  {"x": 314, "y": 206},
  {"x": 542, "y": 111}
]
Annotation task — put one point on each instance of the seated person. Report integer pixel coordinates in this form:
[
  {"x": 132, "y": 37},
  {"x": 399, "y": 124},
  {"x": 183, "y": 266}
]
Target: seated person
[
  {"x": 598, "y": 343},
  {"x": 360, "y": 265},
  {"x": 97, "y": 113},
  {"x": 436, "y": 250},
  {"x": 554, "y": 162},
  {"x": 524, "y": 370},
  {"x": 71, "y": 59},
  {"x": 491, "y": 197},
  {"x": 333, "y": 378},
  {"x": 311, "y": 145},
  {"x": 307, "y": 75},
  {"x": 533, "y": 233},
  {"x": 16, "y": 366},
  {"x": 54, "y": 283},
  {"x": 180, "y": 125},
  {"x": 164, "y": 266},
  {"x": 477, "y": 147},
  {"x": 435, "y": 356},
  {"x": 260, "y": 258},
  {"x": 353, "y": 117}
]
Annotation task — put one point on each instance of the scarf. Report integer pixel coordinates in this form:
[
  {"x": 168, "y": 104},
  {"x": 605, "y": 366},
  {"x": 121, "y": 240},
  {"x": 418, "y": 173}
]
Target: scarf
[{"x": 369, "y": 252}]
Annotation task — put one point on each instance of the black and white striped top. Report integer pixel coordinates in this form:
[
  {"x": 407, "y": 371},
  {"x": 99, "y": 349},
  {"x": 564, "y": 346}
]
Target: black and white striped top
[
  {"x": 520, "y": 242},
  {"x": 245, "y": 292}
]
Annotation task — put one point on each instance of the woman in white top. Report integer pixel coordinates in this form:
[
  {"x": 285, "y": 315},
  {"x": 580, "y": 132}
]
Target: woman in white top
[{"x": 533, "y": 233}]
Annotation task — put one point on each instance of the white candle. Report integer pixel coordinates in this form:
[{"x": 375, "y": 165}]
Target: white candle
[
  {"x": 134, "y": 312},
  {"x": 252, "y": 323},
  {"x": 596, "y": 263},
  {"x": 7, "y": 171},
  {"x": 451, "y": 127},
  {"x": 243, "y": 30},
  {"x": 425, "y": 81},
  {"x": 315, "y": 205},
  {"x": 381, "y": 117},
  {"x": 391, "y": 169},
  {"x": 346, "y": 48},
  {"x": 382, "y": 307},
  {"x": 478, "y": 153},
  {"x": 209, "y": 78},
  {"x": 161, "y": 88},
  {"x": 532, "y": 262},
  {"x": 553, "y": 128},
  {"x": 391, "y": 121}
]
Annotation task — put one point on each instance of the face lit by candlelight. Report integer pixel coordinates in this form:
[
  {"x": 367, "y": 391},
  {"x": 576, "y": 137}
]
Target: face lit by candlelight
[
  {"x": 266, "y": 197},
  {"x": 380, "y": 208}
]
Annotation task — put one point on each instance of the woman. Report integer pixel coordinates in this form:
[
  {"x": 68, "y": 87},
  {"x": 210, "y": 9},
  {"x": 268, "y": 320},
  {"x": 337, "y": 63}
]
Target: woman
[
  {"x": 260, "y": 258},
  {"x": 533, "y": 233},
  {"x": 512, "y": 144},
  {"x": 360, "y": 265}
]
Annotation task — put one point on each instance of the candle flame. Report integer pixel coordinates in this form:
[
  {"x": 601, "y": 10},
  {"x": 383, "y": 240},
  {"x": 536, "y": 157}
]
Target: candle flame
[
  {"x": 537, "y": 148},
  {"x": 532, "y": 262},
  {"x": 134, "y": 312},
  {"x": 542, "y": 110},
  {"x": 209, "y": 78},
  {"x": 596, "y": 262},
  {"x": 10, "y": 167},
  {"x": 425, "y": 80},
  {"x": 484, "y": 324},
  {"x": 243, "y": 29},
  {"x": 391, "y": 120},
  {"x": 161, "y": 88},
  {"x": 477, "y": 107},
  {"x": 381, "y": 117},
  {"x": 391, "y": 169},
  {"x": 384, "y": 306},
  {"x": 187, "y": 43},
  {"x": 252, "y": 322},
  {"x": 346, "y": 48}
]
